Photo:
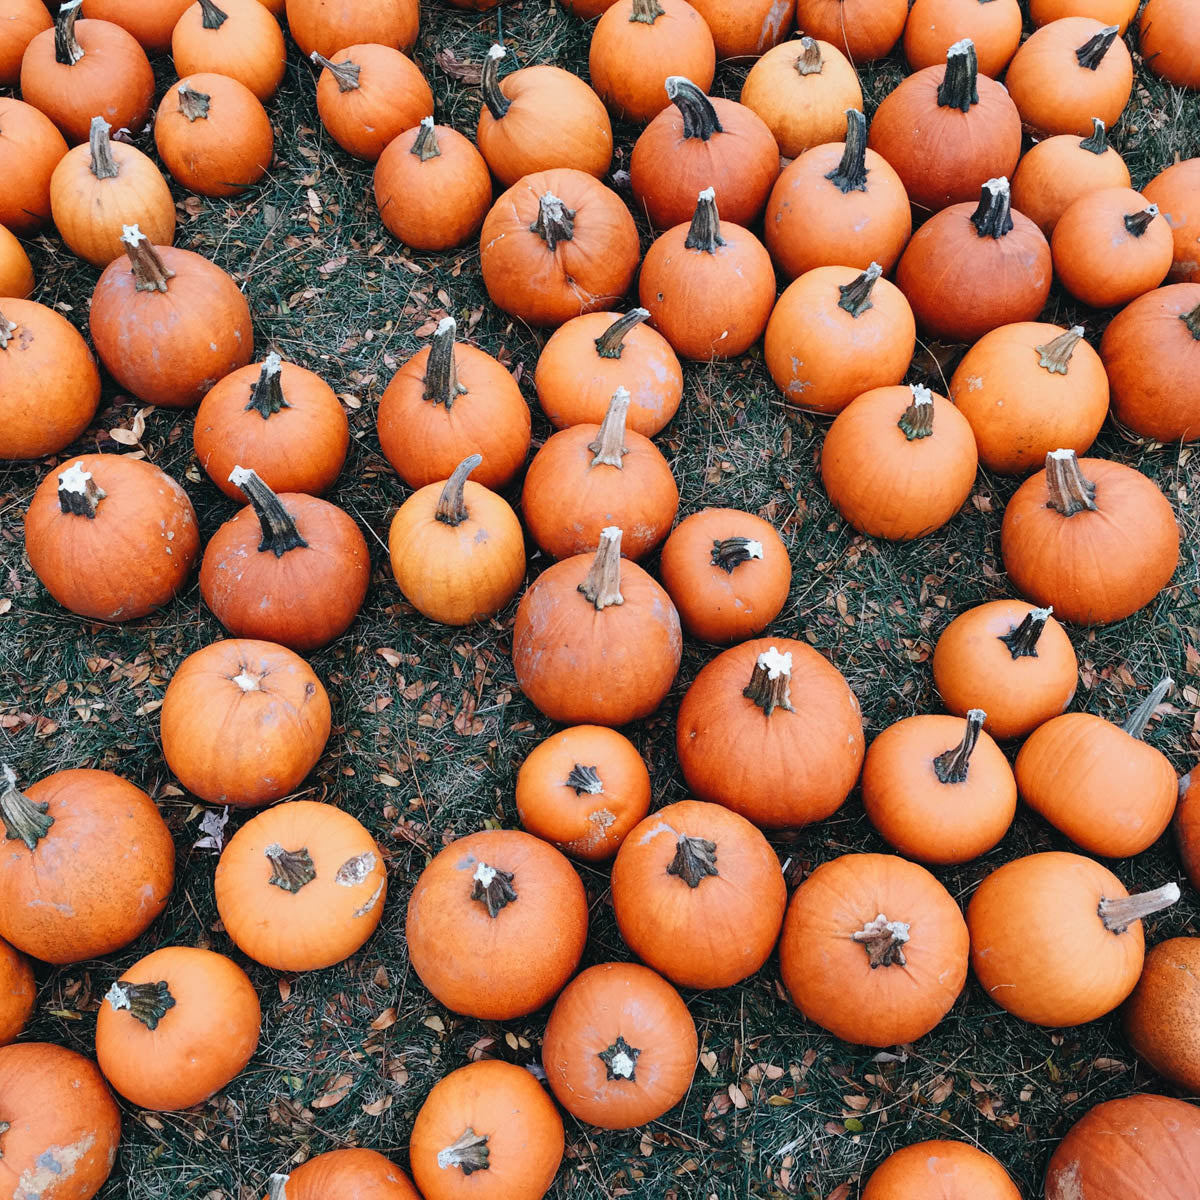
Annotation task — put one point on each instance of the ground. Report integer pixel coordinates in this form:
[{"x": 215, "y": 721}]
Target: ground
[{"x": 430, "y": 726}]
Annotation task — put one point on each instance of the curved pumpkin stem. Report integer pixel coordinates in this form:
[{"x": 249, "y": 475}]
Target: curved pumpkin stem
[
  {"x": 699, "y": 116},
  {"x": 960, "y": 85},
  {"x": 145, "y": 1002},
  {"x": 279, "y": 532},
  {"x": 469, "y": 1153},
  {"x": 611, "y": 342},
  {"x": 1055, "y": 356},
  {"x": 1136, "y": 723},
  {"x": 1022, "y": 639},
  {"x": 884, "y": 941},
  {"x": 953, "y": 765},
  {"x": 1192, "y": 321},
  {"x": 917, "y": 420},
  {"x": 150, "y": 273},
  {"x": 609, "y": 447},
  {"x": 8, "y": 328},
  {"x": 620, "y": 1060},
  {"x": 101, "y": 165},
  {"x": 344, "y": 73},
  {"x": 211, "y": 17},
  {"x": 193, "y": 104},
  {"x": 1070, "y": 490},
  {"x": 277, "y": 1187},
  {"x": 555, "y": 221},
  {"x": 585, "y": 780},
  {"x": 808, "y": 61},
  {"x": 705, "y": 231},
  {"x": 1091, "y": 54},
  {"x": 850, "y": 175},
  {"x": 602, "y": 587},
  {"x": 497, "y": 102},
  {"x": 771, "y": 681},
  {"x": 1118, "y": 915},
  {"x": 993, "y": 217},
  {"x": 290, "y": 869},
  {"x": 1137, "y": 223},
  {"x": 646, "y": 11},
  {"x": 695, "y": 860},
  {"x": 730, "y": 553},
  {"x": 426, "y": 145},
  {"x": 494, "y": 887},
  {"x": 266, "y": 397},
  {"x": 79, "y": 494},
  {"x": 1098, "y": 142},
  {"x": 856, "y": 295},
  {"x": 451, "y": 506},
  {"x": 67, "y": 50},
  {"x": 441, "y": 373},
  {"x": 24, "y": 820}
]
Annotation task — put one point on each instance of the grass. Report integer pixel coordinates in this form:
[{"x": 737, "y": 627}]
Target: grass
[{"x": 430, "y": 726}]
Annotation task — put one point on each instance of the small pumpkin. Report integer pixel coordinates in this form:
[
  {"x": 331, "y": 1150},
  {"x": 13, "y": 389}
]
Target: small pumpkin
[
  {"x": 883, "y": 930},
  {"x": 300, "y": 886},
  {"x": 956, "y": 1170},
  {"x": 20, "y": 23},
  {"x": 16, "y": 271},
  {"x": 863, "y": 30},
  {"x": 18, "y": 993},
  {"x": 1187, "y": 825},
  {"x": 365, "y": 1173},
  {"x": 150, "y": 24},
  {"x": 993, "y": 26},
  {"x": 746, "y": 28},
  {"x": 496, "y": 924},
  {"x": 243, "y": 722},
  {"x": 328, "y": 26},
  {"x": 620, "y": 1047},
  {"x": 1162, "y": 1016},
  {"x": 1109, "y": 12},
  {"x": 583, "y": 789},
  {"x": 30, "y": 148},
  {"x": 1174, "y": 191},
  {"x": 1168, "y": 35},
  {"x": 237, "y": 38},
  {"x": 1057, "y": 940},
  {"x": 177, "y": 1027}
]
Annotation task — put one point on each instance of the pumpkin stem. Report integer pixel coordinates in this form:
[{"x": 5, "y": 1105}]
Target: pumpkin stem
[
  {"x": 1091, "y": 53},
  {"x": 441, "y": 373},
  {"x": 646, "y": 11},
  {"x": 695, "y": 859},
  {"x": 150, "y": 273},
  {"x": 24, "y": 820},
  {"x": 884, "y": 941},
  {"x": 345, "y": 73},
  {"x": 426, "y": 145},
  {"x": 290, "y": 869},
  {"x": 78, "y": 493},
  {"x": 620, "y": 1060},
  {"x": 960, "y": 85},
  {"x": 808, "y": 62},
  {"x": 497, "y": 102},
  {"x": 699, "y": 116},
  {"x": 771, "y": 682},
  {"x": 266, "y": 397},
  {"x": 1098, "y": 142},
  {"x": 451, "y": 506},
  {"x": 602, "y": 587},
  {"x": 100, "y": 145},
  {"x": 728, "y": 553},
  {"x": 1137, "y": 721},
  {"x": 1190, "y": 319},
  {"x": 279, "y": 532},
  {"x": 993, "y": 217},
  {"x": 850, "y": 175},
  {"x": 705, "y": 231},
  {"x": 494, "y": 887},
  {"x": 1070, "y": 491},
  {"x": 611, "y": 342},
  {"x": 609, "y": 447},
  {"x": 555, "y": 221},
  {"x": 952, "y": 766},
  {"x": 1022, "y": 639},
  {"x": 146, "y": 1002},
  {"x": 8, "y": 328},
  {"x": 1118, "y": 915},
  {"x": 211, "y": 17},
  {"x": 917, "y": 419},
  {"x": 67, "y": 49},
  {"x": 585, "y": 780},
  {"x": 193, "y": 104},
  {"x": 277, "y": 1187},
  {"x": 469, "y": 1153},
  {"x": 1137, "y": 223},
  {"x": 1055, "y": 356},
  {"x": 856, "y": 295}
]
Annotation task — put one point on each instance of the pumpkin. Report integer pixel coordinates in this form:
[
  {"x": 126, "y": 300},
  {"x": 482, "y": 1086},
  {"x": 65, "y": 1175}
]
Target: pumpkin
[
  {"x": 20, "y": 23},
  {"x": 638, "y": 44},
  {"x": 150, "y": 24},
  {"x": 487, "y": 1131},
  {"x": 728, "y": 574},
  {"x": 30, "y": 149},
  {"x": 1010, "y": 659},
  {"x": 771, "y": 730},
  {"x": 540, "y": 119},
  {"x": 1162, "y": 1016},
  {"x": 450, "y": 401},
  {"x": 111, "y": 537},
  {"x": 18, "y": 992},
  {"x": 835, "y": 333},
  {"x": 1099, "y": 783},
  {"x": 300, "y": 886},
  {"x": 939, "y": 791},
  {"x": 1068, "y": 73},
  {"x": 1168, "y": 36},
  {"x": 496, "y": 924},
  {"x": 1187, "y": 825},
  {"x": 61, "y": 1124},
  {"x": 954, "y": 1170},
  {"x": 584, "y": 362},
  {"x": 746, "y": 28},
  {"x": 288, "y": 568},
  {"x": 1057, "y": 171},
  {"x": 972, "y": 268},
  {"x": 369, "y": 95},
  {"x": 1174, "y": 191},
  {"x": 16, "y": 271},
  {"x": 213, "y": 134},
  {"x": 698, "y": 895},
  {"x": 167, "y": 323},
  {"x": 993, "y": 26},
  {"x": 709, "y": 286},
  {"x": 556, "y": 244},
  {"x": 86, "y": 866},
  {"x": 880, "y": 929},
  {"x": 284, "y": 422},
  {"x": 432, "y": 187},
  {"x": 1137, "y": 1148},
  {"x": 899, "y": 462},
  {"x": 620, "y": 1047},
  {"x": 243, "y": 722},
  {"x": 457, "y": 550},
  {"x": 75, "y": 72},
  {"x": 838, "y": 205},
  {"x": 177, "y": 1027},
  {"x": 701, "y": 142},
  {"x": 596, "y": 640},
  {"x": 365, "y": 1174},
  {"x": 49, "y": 385},
  {"x": 1107, "y": 12},
  {"x": 328, "y": 26},
  {"x": 1066, "y": 536},
  {"x": 238, "y": 38},
  {"x": 802, "y": 91},
  {"x": 863, "y": 29},
  {"x": 583, "y": 789},
  {"x": 1151, "y": 350},
  {"x": 1111, "y": 246},
  {"x": 1056, "y": 939}
]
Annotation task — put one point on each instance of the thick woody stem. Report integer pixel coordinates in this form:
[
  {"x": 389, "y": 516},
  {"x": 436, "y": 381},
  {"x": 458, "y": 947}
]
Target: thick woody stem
[
  {"x": 555, "y": 221},
  {"x": 452, "y": 506},
  {"x": 611, "y": 342},
  {"x": 960, "y": 85},
  {"x": 602, "y": 587},
  {"x": 100, "y": 146},
  {"x": 493, "y": 887},
  {"x": 730, "y": 553},
  {"x": 953, "y": 765},
  {"x": 67, "y": 50},
  {"x": 1055, "y": 356},
  {"x": 620, "y": 1060},
  {"x": 78, "y": 493},
  {"x": 585, "y": 780},
  {"x": 279, "y": 532},
  {"x": 808, "y": 61},
  {"x": 290, "y": 869},
  {"x": 441, "y": 374},
  {"x": 150, "y": 273},
  {"x": 1070, "y": 491},
  {"x": 277, "y": 1187},
  {"x": 699, "y": 116},
  {"x": 24, "y": 820},
  {"x": 497, "y": 102},
  {"x": 993, "y": 217},
  {"x": 1137, "y": 223},
  {"x": 1098, "y": 142},
  {"x": 426, "y": 145},
  {"x": 211, "y": 17},
  {"x": 646, "y": 11},
  {"x": 695, "y": 859},
  {"x": 193, "y": 104},
  {"x": 771, "y": 682},
  {"x": 1192, "y": 321},
  {"x": 345, "y": 73},
  {"x": 917, "y": 419},
  {"x": 1091, "y": 53},
  {"x": 705, "y": 231},
  {"x": 469, "y": 1153},
  {"x": 266, "y": 397},
  {"x": 609, "y": 447},
  {"x": 145, "y": 1002},
  {"x": 856, "y": 295},
  {"x": 1136, "y": 723},
  {"x": 1022, "y": 639},
  {"x": 850, "y": 175},
  {"x": 1118, "y": 915},
  {"x": 8, "y": 328},
  {"x": 884, "y": 941}
]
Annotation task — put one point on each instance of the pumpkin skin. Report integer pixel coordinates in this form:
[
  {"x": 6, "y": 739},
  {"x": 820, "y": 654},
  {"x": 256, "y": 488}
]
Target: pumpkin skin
[
  {"x": 62, "y": 1119},
  {"x": 1174, "y": 191},
  {"x": 933, "y": 26},
  {"x": 586, "y": 10},
  {"x": 237, "y": 38},
  {"x": 863, "y": 30},
  {"x": 746, "y": 28},
  {"x": 519, "y": 913},
  {"x": 1187, "y": 825},
  {"x": 18, "y": 993},
  {"x": 49, "y": 385},
  {"x": 150, "y": 24},
  {"x": 955, "y": 1170},
  {"x": 61, "y": 905},
  {"x": 583, "y": 789},
  {"x": 698, "y": 895},
  {"x": 243, "y": 722},
  {"x": 1029, "y": 388},
  {"x": 336, "y": 1172},
  {"x": 556, "y": 244},
  {"x": 1056, "y": 939},
  {"x": 21, "y": 22},
  {"x": 328, "y": 26},
  {"x": 1139, "y": 1148},
  {"x": 1010, "y": 659},
  {"x": 134, "y": 551},
  {"x": 620, "y": 1047},
  {"x": 847, "y": 932},
  {"x": 1161, "y": 1016},
  {"x": 1107, "y": 12},
  {"x": 771, "y": 730},
  {"x": 1168, "y": 36},
  {"x": 170, "y": 1052},
  {"x": 1079, "y": 564},
  {"x": 30, "y": 148},
  {"x": 330, "y": 894},
  {"x": 727, "y": 572},
  {"x": 487, "y": 1131},
  {"x": 16, "y": 271}
]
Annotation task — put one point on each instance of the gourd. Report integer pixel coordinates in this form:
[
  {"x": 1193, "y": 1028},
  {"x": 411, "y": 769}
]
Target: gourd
[
  {"x": 237, "y": 38},
  {"x": 746, "y": 28},
  {"x": 30, "y": 149},
  {"x": 863, "y": 29},
  {"x": 22, "y": 21},
  {"x": 150, "y": 24},
  {"x": 994, "y": 27},
  {"x": 365, "y": 1171},
  {"x": 18, "y": 993},
  {"x": 1168, "y": 36},
  {"x": 328, "y": 26},
  {"x": 958, "y": 1170},
  {"x": 1174, "y": 191},
  {"x": 1162, "y": 1016},
  {"x": 16, "y": 271}
]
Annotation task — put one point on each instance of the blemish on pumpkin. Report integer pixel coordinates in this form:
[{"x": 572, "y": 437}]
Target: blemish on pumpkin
[
  {"x": 370, "y": 904},
  {"x": 354, "y": 870},
  {"x": 51, "y": 1168}
]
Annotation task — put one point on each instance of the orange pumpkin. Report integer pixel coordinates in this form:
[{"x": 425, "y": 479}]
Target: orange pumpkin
[
  {"x": 30, "y": 149},
  {"x": 1187, "y": 825},
  {"x": 746, "y": 28},
  {"x": 993, "y": 26},
  {"x": 336, "y": 1172},
  {"x": 238, "y": 38},
  {"x": 1108, "y": 12},
  {"x": 151, "y": 24},
  {"x": 1162, "y": 1016},
  {"x": 496, "y": 924},
  {"x": 328, "y": 26},
  {"x": 947, "y": 1170},
  {"x": 1174, "y": 191},
  {"x": 16, "y": 271},
  {"x": 863, "y": 29},
  {"x": 18, "y": 992},
  {"x": 586, "y": 10},
  {"x": 1168, "y": 35},
  {"x": 20, "y": 23}
]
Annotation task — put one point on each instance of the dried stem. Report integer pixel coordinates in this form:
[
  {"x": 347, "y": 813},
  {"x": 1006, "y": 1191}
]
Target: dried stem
[
  {"x": 555, "y": 221},
  {"x": 1091, "y": 53},
  {"x": 1070, "y": 491},
  {"x": 699, "y": 116},
  {"x": 960, "y": 85},
  {"x": 917, "y": 420},
  {"x": 145, "y": 1002},
  {"x": 602, "y": 587},
  {"x": 150, "y": 273},
  {"x": 24, "y": 820},
  {"x": 884, "y": 941},
  {"x": 290, "y": 869},
  {"x": 611, "y": 342},
  {"x": 953, "y": 765},
  {"x": 1098, "y": 142},
  {"x": 452, "y": 506},
  {"x": 771, "y": 681},
  {"x": 279, "y": 531},
  {"x": 497, "y": 102},
  {"x": 730, "y": 553},
  {"x": 78, "y": 493},
  {"x": 469, "y": 1153},
  {"x": 1022, "y": 639},
  {"x": 585, "y": 780},
  {"x": 646, "y": 11},
  {"x": 1137, "y": 223},
  {"x": 620, "y": 1060},
  {"x": 266, "y": 397},
  {"x": 705, "y": 231},
  {"x": 609, "y": 447},
  {"x": 808, "y": 61},
  {"x": 100, "y": 146},
  {"x": 1135, "y": 724},
  {"x": 344, "y": 73},
  {"x": 850, "y": 175},
  {"x": 493, "y": 887},
  {"x": 426, "y": 145},
  {"x": 993, "y": 217},
  {"x": 1118, "y": 915},
  {"x": 211, "y": 17},
  {"x": 856, "y": 295},
  {"x": 67, "y": 50},
  {"x": 441, "y": 373},
  {"x": 193, "y": 104},
  {"x": 695, "y": 859},
  {"x": 1055, "y": 356}
]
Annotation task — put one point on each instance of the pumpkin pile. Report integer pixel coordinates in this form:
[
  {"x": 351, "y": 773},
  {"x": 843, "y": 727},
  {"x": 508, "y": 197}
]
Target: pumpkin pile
[{"x": 896, "y": 265}]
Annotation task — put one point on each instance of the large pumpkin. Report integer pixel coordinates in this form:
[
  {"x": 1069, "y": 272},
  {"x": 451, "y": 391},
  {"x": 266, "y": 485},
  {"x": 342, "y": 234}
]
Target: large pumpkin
[
  {"x": 993, "y": 26},
  {"x": 863, "y": 29},
  {"x": 18, "y": 993},
  {"x": 943, "y": 1169},
  {"x": 328, "y": 26},
  {"x": 30, "y": 149},
  {"x": 1169, "y": 33},
  {"x": 363, "y": 1174},
  {"x": 237, "y": 38},
  {"x": 1175, "y": 192},
  {"x": 1162, "y": 1016}
]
